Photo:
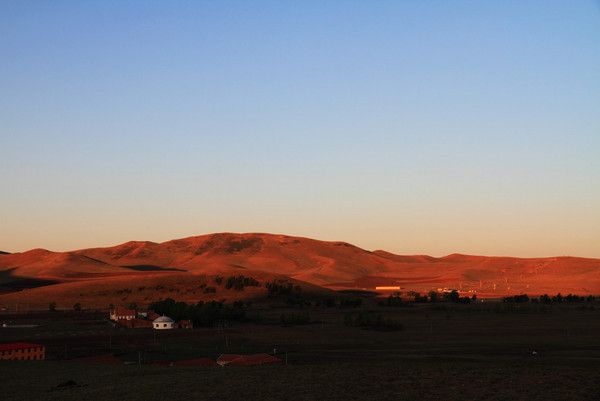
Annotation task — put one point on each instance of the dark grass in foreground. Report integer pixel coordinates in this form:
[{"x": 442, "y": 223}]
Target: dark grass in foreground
[
  {"x": 445, "y": 351},
  {"x": 401, "y": 380}
]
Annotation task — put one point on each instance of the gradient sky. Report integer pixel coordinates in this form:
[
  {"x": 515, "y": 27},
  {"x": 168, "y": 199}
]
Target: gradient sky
[{"x": 412, "y": 126}]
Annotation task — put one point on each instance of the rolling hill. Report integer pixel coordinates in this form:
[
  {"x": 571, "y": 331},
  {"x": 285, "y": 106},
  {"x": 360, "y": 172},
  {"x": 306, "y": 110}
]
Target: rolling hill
[{"x": 305, "y": 261}]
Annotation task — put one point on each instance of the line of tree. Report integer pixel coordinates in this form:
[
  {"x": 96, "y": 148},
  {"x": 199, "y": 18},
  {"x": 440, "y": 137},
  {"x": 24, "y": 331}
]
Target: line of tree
[
  {"x": 571, "y": 298},
  {"x": 396, "y": 300},
  {"x": 201, "y": 314},
  {"x": 239, "y": 282},
  {"x": 288, "y": 291},
  {"x": 277, "y": 288},
  {"x": 547, "y": 299},
  {"x": 521, "y": 298}
]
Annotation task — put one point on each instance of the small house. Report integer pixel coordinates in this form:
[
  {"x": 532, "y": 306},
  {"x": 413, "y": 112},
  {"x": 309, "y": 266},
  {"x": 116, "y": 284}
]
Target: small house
[{"x": 163, "y": 323}]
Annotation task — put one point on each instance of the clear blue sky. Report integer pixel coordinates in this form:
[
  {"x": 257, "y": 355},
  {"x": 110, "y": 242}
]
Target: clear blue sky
[{"x": 414, "y": 126}]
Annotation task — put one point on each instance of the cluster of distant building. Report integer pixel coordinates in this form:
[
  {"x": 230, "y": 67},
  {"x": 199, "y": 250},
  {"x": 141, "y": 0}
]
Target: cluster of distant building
[
  {"x": 22, "y": 352},
  {"x": 134, "y": 319}
]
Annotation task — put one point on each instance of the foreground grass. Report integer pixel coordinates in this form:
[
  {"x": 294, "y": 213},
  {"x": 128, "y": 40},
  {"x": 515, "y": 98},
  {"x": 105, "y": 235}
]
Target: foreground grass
[
  {"x": 402, "y": 380},
  {"x": 444, "y": 352}
]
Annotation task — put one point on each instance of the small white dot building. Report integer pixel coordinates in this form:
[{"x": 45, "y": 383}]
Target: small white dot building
[{"x": 163, "y": 323}]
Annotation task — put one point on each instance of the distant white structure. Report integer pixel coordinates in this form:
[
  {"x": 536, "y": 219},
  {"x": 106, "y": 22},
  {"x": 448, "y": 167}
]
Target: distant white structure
[
  {"x": 388, "y": 288},
  {"x": 163, "y": 323}
]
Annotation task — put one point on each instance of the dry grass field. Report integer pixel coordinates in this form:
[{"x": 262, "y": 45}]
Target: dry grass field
[{"x": 444, "y": 351}]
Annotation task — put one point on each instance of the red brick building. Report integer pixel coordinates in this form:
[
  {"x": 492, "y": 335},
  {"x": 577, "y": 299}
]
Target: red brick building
[
  {"x": 151, "y": 315},
  {"x": 120, "y": 313},
  {"x": 22, "y": 351},
  {"x": 135, "y": 323}
]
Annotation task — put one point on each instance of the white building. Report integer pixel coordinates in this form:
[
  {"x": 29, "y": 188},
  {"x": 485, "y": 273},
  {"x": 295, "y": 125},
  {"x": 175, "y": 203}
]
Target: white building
[{"x": 163, "y": 323}]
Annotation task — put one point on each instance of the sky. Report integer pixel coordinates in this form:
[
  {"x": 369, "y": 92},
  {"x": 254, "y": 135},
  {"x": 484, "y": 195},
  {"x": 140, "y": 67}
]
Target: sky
[{"x": 418, "y": 127}]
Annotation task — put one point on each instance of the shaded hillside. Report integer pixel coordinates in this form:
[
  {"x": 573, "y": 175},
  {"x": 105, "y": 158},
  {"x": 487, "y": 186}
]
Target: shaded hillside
[
  {"x": 44, "y": 264},
  {"x": 122, "y": 290}
]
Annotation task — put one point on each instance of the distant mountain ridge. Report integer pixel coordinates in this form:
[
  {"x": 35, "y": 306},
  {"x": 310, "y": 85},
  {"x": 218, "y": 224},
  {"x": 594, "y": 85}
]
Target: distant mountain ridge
[{"x": 329, "y": 264}]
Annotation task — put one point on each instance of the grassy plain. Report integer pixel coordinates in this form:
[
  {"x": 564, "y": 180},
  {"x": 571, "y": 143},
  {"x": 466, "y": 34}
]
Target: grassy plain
[{"x": 445, "y": 351}]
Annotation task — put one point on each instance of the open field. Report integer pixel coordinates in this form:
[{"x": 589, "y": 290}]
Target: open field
[{"x": 444, "y": 351}]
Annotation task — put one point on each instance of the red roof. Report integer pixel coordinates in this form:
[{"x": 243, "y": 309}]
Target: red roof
[
  {"x": 187, "y": 362},
  {"x": 246, "y": 360},
  {"x": 13, "y": 346},
  {"x": 120, "y": 311},
  {"x": 196, "y": 362}
]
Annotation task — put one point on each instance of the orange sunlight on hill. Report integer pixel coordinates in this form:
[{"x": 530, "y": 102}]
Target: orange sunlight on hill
[{"x": 100, "y": 273}]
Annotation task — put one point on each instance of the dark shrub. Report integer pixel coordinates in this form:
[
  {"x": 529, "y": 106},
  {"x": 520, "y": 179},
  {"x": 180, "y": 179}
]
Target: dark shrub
[
  {"x": 239, "y": 282},
  {"x": 371, "y": 321}
]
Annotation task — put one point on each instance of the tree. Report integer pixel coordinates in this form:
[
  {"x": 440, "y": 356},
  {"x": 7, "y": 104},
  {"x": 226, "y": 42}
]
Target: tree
[
  {"x": 132, "y": 306},
  {"x": 77, "y": 307},
  {"x": 452, "y": 296},
  {"x": 52, "y": 306},
  {"x": 545, "y": 299}
]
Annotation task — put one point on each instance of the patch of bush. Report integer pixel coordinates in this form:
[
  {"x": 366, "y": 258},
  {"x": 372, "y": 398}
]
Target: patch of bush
[
  {"x": 277, "y": 288},
  {"x": 239, "y": 282},
  {"x": 371, "y": 321},
  {"x": 202, "y": 314},
  {"x": 522, "y": 298},
  {"x": 394, "y": 300},
  {"x": 571, "y": 298}
]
